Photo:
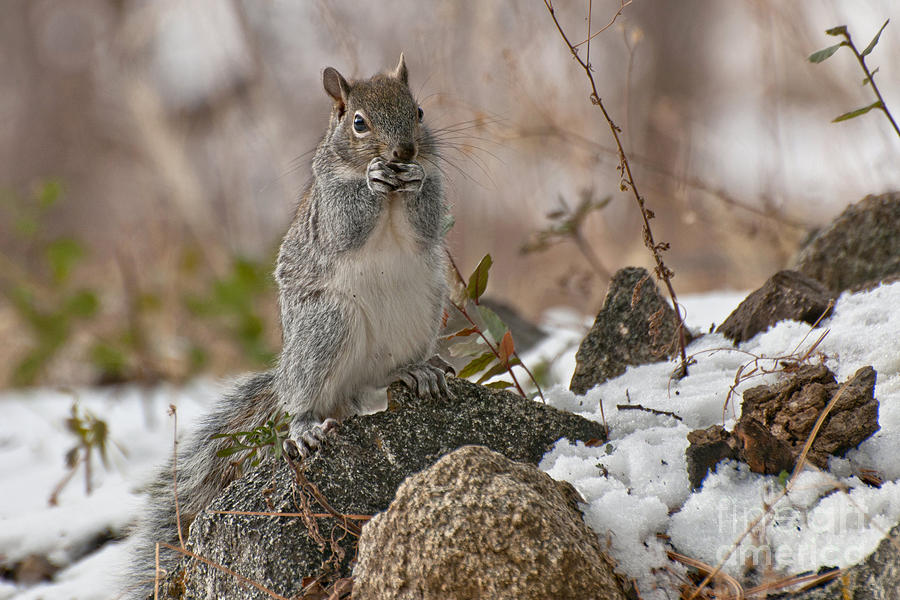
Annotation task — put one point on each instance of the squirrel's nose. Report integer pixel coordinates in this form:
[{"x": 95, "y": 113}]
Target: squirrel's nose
[{"x": 404, "y": 151}]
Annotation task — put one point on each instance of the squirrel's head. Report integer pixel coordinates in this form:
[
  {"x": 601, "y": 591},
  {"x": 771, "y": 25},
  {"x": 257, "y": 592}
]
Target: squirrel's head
[{"x": 375, "y": 117}]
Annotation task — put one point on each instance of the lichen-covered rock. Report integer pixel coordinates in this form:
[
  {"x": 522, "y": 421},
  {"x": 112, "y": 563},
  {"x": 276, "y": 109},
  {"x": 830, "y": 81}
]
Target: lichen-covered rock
[
  {"x": 357, "y": 470},
  {"x": 860, "y": 247},
  {"x": 636, "y": 326},
  {"x": 786, "y": 295},
  {"x": 478, "y": 525}
]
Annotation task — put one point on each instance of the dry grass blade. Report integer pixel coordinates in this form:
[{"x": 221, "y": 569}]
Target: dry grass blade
[
  {"x": 256, "y": 513},
  {"x": 737, "y": 589},
  {"x": 224, "y": 569}
]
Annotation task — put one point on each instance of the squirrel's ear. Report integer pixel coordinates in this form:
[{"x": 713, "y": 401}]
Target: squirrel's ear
[
  {"x": 400, "y": 72},
  {"x": 336, "y": 86}
]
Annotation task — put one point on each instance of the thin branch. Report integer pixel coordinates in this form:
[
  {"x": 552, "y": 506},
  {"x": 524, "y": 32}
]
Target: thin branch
[
  {"x": 870, "y": 77},
  {"x": 174, "y": 413},
  {"x": 224, "y": 569},
  {"x": 604, "y": 28},
  {"x": 628, "y": 183}
]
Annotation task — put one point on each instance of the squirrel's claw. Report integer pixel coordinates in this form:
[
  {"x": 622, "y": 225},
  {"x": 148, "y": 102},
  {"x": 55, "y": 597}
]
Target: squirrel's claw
[
  {"x": 308, "y": 440},
  {"x": 425, "y": 380}
]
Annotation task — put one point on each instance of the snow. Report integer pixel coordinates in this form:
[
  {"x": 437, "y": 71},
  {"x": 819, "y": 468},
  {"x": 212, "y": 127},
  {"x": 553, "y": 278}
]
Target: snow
[
  {"x": 637, "y": 496},
  {"x": 635, "y": 487}
]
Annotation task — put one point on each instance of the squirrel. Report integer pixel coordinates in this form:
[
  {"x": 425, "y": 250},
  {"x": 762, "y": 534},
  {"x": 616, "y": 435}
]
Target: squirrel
[{"x": 361, "y": 274}]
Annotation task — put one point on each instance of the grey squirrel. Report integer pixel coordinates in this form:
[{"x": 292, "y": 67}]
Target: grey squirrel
[{"x": 362, "y": 285}]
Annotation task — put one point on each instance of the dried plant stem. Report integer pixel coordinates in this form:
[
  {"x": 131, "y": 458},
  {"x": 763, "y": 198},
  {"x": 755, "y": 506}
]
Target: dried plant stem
[
  {"x": 224, "y": 569},
  {"x": 259, "y": 513},
  {"x": 174, "y": 412},
  {"x": 662, "y": 271}
]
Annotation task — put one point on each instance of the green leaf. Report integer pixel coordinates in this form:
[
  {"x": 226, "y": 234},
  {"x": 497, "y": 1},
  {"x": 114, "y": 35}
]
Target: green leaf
[
  {"x": 874, "y": 41},
  {"x": 855, "y": 113},
  {"x": 49, "y": 193},
  {"x": 496, "y": 370},
  {"x": 447, "y": 223},
  {"x": 225, "y": 452},
  {"x": 82, "y": 303},
  {"x": 476, "y": 365},
  {"x": 479, "y": 279},
  {"x": 499, "y": 385},
  {"x": 495, "y": 325},
  {"x": 817, "y": 57},
  {"x": 867, "y": 80},
  {"x": 62, "y": 254},
  {"x": 839, "y": 30}
]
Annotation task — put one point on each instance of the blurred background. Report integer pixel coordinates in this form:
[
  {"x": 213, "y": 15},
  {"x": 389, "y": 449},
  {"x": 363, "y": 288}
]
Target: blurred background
[{"x": 151, "y": 154}]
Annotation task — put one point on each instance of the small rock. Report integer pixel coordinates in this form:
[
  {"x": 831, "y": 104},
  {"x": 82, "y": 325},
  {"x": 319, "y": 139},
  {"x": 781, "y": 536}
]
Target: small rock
[
  {"x": 861, "y": 245},
  {"x": 786, "y": 295},
  {"x": 776, "y": 420},
  {"x": 636, "y": 326},
  {"x": 790, "y": 409},
  {"x": 708, "y": 447},
  {"x": 478, "y": 525}
]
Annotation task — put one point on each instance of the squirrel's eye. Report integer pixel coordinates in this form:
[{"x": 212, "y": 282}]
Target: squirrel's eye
[
  {"x": 359, "y": 124},
  {"x": 421, "y": 114}
]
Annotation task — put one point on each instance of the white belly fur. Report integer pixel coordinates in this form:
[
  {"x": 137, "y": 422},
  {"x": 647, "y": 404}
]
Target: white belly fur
[{"x": 393, "y": 296}]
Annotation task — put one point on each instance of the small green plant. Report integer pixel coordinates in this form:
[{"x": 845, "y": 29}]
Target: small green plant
[
  {"x": 869, "y": 79},
  {"x": 262, "y": 440},
  {"x": 233, "y": 302},
  {"x": 43, "y": 295},
  {"x": 487, "y": 339},
  {"x": 91, "y": 435}
]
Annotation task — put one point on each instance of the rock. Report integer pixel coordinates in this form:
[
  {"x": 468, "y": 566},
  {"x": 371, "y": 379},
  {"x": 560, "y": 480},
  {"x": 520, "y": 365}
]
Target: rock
[
  {"x": 478, "y": 525},
  {"x": 861, "y": 245},
  {"x": 707, "y": 448},
  {"x": 357, "y": 470},
  {"x": 789, "y": 410},
  {"x": 776, "y": 421},
  {"x": 636, "y": 326},
  {"x": 876, "y": 578},
  {"x": 786, "y": 295}
]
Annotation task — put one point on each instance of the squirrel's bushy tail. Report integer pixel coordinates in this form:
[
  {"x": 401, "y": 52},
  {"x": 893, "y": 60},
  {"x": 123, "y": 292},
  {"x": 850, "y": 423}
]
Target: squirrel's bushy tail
[{"x": 201, "y": 476}]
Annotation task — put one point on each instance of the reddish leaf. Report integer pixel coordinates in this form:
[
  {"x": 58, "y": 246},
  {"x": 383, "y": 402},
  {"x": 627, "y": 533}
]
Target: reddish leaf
[{"x": 506, "y": 348}]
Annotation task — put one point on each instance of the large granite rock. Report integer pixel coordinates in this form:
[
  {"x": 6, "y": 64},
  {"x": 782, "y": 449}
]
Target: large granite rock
[
  {"x": 357, "y": 471},
  {"x": 478, "y": 525},
  {"x": 636, "y": 326},
  {"x": 860, "y": 247}
]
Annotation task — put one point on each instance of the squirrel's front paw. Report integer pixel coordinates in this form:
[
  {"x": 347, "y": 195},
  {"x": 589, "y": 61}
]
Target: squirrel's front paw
[
  {"x": 383, "y": 176},
  {"x": 410, "y": 175},
  {"x": 306, "y": 437},
  {"x": 426, "y": 380}
]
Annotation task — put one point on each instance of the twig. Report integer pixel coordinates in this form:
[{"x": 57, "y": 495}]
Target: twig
[
  {"x": 653, "y": 411},
  {"x": 628, "y": 183},
  {"x": 224, "y": 569},
  {"x": 255, "y": 513},
  {"x": 604, "y": 28},
  {"x": 174, "y": 412}
]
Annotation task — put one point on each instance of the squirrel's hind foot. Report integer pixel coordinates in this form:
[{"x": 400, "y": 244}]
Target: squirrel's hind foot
[
  {"x": 305, "y": 440},
  {"x": 425, "y": 379}
]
